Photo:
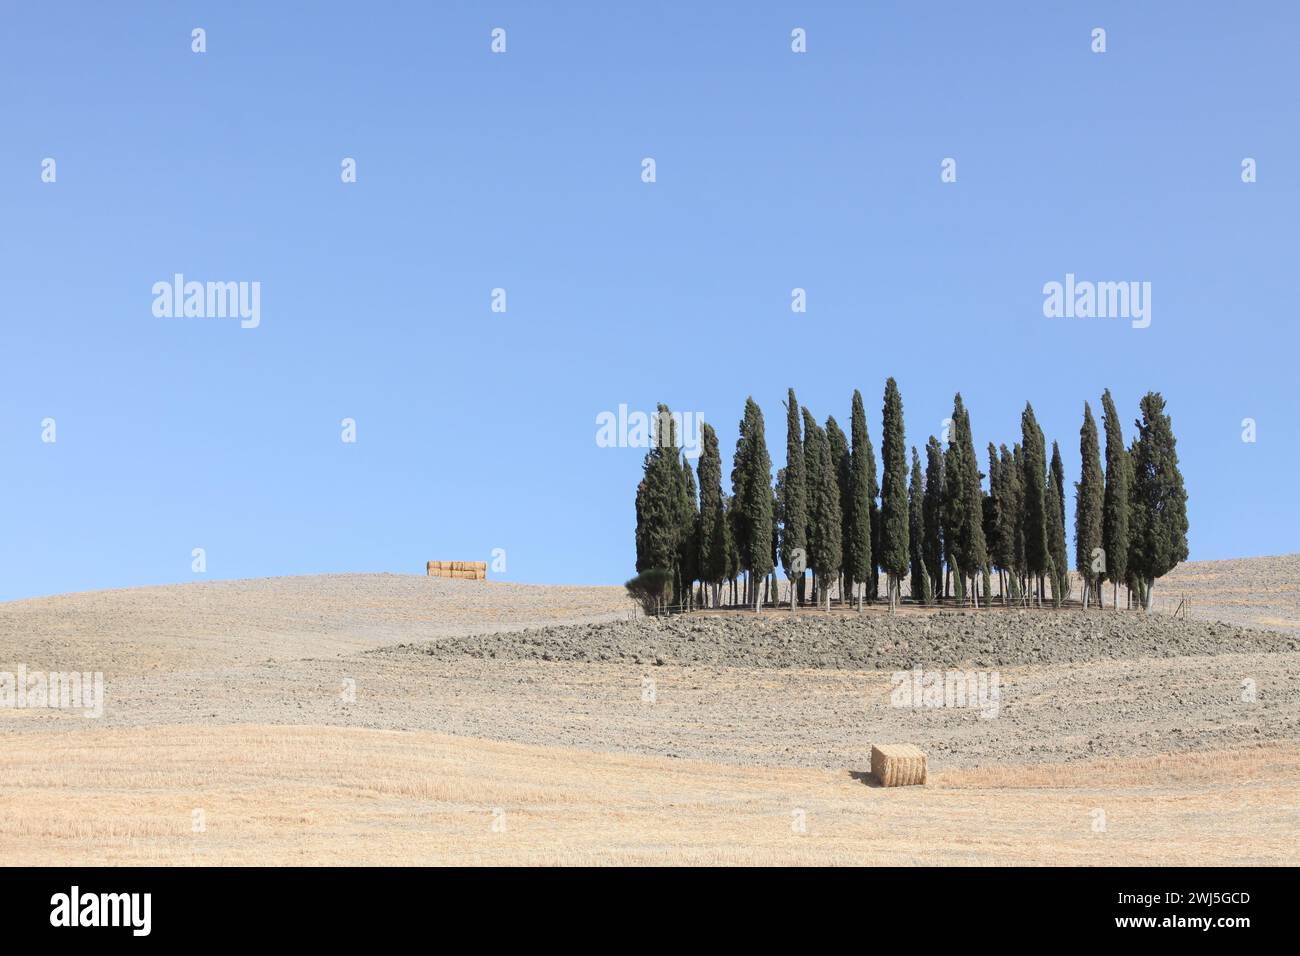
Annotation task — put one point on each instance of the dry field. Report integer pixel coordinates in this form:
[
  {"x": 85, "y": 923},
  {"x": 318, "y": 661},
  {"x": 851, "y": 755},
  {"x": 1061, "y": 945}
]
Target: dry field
[{"x": 225, "y": 698}]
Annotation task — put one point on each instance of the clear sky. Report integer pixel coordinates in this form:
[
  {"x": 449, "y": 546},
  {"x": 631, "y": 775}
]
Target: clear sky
[{"x": 774, "y": 170}]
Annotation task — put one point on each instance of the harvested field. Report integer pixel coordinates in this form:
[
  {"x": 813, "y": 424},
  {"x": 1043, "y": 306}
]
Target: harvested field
[
  {"x": 310, "y": 795},
  {"x": 383, "y": 718}
]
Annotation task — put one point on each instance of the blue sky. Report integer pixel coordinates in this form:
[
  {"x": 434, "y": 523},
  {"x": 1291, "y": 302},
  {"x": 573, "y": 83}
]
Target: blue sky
[{"x": 476, "y": 430}]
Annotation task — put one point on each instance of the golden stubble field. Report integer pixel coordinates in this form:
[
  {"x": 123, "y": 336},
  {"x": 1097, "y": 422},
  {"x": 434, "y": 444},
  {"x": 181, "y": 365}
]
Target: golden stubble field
[
  {"x": 189, "y": 778},
  {"x": 313, "y": 795}
]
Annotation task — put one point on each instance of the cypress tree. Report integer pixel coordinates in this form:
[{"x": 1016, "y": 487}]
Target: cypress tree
[
  {"x": 973, "y": 547},
  {"x": 642, "y": 526},
  {"x": 953, "y": 502},
  {"x": 993, "y": 502},
  {"x": 713, "y": 528},
  {"x": 861, "y": 483},
  {"x": 1136, "y": 520},
  {"x": 990, "y": 505},
  {"x": 1057, "y": 568},
  {"x": 661, "y": 506},
  {"x": 826, "y": 556},
  {"x": 920, "y": 578},
  {"x": 813, "y": 439},
  {"x": 755, "y": 498},
  {"x": 1035, "y": 498},
  {"x": 1016, "y": 500},
  {"x": 1005, "y": 511},
  {"x": 894, "y": 552},
  {"x": 794, "y": 492},
  {"x": 1161, "y": 538},
  {"x": 1089, "y": 493},
  {"x": 731, "y": 524},
  {"x": 932, "y": 507},
  {"x": 1115, "y": 499},
  {"x": 739, "y": 484},
  {"x": 1056, "y": 530},
  {"x": 839, "y": 446},
  {"x": 689, "y": 547}
]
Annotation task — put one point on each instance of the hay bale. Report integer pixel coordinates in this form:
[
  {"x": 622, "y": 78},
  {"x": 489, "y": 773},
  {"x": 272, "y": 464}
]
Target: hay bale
[
  {"x": 898, "y": 765},
  {"x": 462, "y": 570}
]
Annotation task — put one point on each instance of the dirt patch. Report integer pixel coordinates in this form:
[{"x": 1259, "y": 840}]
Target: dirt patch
[{"x": 871, "y": 641}]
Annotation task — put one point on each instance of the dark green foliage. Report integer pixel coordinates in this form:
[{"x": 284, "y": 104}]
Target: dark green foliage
[
  {"x": 825, "y": 555},
  {"x": 894, "y": 551},
  {"x": 751, "y": 480},
  {"x": 1134, "y": 515},
  {"x": 932, "y": 545},
  {"x": 1056, "y": 541},
  {"x": 651, "y": 589},
  {"x": 689, "y": 547},
  {"x": 842, "y": 466},
  {"x": 1090, "y": 492},
  {"x": 952, "y": 511},
  {"x": 992, "y": 530},
  {"x": 794, "y": 487},
  {"x": 731, "y": 525},
  {"x": 1034, "y": 485},
  {"x": 971, "y": 542},
  {"x": 713, "y": 529},
  {"x": 861, "y": 495},
  {"x": 813, "y": 439},
  {"x": 1160, "y": 528},
  {"x": 920, "y": 577},
  {"x": 1115, "y": 502},
  {"x": 661, "y": 511},
  {"x": 1015, "y": 479}
]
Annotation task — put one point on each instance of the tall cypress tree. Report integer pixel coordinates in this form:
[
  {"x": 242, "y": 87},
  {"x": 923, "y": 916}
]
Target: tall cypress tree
[
  {"x": 755, "y": 494},
  {"x": 1115, "y": 500},
  {"x": 794, "y": 492},
  {"x": 661, "y": 506},
  {"x": 1089, "y": 492},
  {"x": 932, "y": 548},
  {"x": 839, "y": 447},
  {"x": 813, "y": 439},
  {"x": 1056, "y": 569},
  {"x": 862, "y": 499},
  {"x": 1034, "y": 456},
  {"x": 953, "y": 503},
  {"x": 991, "y": 528},
  {"x": 1006, "y": 507},
  {"x": 974, "y": 548},
  {"x": 731, "y": 526},
  {"x": 1056, "y": 530},
  {"x": 826, "y": 555},
  {"x": 739, "y": 484},
  {"x": 1016, "y": 499},
  {"x": 894, "y": 550},
  {"x": 713, "y": 529},
  {"x": 689, "y": 546},
  {"x": 920, "y": 578},
  {"x": 1158, "y": 488}
]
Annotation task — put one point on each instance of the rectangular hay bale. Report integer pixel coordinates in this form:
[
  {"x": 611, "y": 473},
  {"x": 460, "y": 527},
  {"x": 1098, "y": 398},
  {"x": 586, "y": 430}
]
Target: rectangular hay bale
[
  {"x": 898, "y": 765},
  {"x": 462, "y": 570}
]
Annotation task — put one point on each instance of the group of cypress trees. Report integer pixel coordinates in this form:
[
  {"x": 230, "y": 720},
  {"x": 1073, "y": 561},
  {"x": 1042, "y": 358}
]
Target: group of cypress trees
[{"x": 943, "y": 531}]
